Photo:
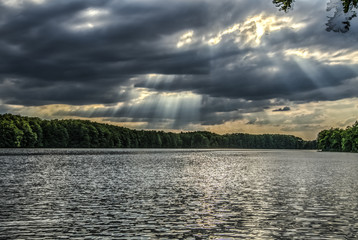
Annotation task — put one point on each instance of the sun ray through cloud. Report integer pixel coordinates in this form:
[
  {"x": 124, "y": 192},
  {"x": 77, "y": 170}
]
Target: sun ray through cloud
[{"x": 181, "y": 65}]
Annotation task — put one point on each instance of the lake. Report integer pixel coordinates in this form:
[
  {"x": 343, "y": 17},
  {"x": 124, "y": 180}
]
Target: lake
[{"x": 180, "y": 194}]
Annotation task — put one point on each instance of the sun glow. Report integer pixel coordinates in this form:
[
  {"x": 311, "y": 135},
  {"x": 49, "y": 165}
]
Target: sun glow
[
  {"x": 93, "y": 12},
  {"x": 185, "y": 39},
  {"x": 331, "y": 58},
  {"x": 217, "y": 39},
  {"x": 254, "y": 28},
  {"x": 88, "y": 19}
]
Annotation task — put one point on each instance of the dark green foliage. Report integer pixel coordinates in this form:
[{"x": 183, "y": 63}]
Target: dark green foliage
[
  {"x": 339, "y": 140},
  {"x": 284, "y": 5},
  {"x": 10, "y": 135},
  {"x": 18, "y": 131},
  {"x": 349, "y": 4}
]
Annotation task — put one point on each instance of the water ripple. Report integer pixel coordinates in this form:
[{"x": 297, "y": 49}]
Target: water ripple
[{"x": 174, "y": 194}]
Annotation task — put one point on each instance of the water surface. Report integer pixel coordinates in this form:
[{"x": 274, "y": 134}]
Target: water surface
[{"x": 190, "y": 194}]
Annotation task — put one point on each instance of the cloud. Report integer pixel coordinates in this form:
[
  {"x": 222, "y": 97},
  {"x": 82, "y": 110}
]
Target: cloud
[
  {"x": 184, "y": 63},
  {"x": 284, "y": 109}
]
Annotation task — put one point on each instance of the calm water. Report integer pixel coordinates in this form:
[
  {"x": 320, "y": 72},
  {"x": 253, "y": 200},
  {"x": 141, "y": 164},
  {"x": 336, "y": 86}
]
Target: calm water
[{"x": 190, "y": 194}]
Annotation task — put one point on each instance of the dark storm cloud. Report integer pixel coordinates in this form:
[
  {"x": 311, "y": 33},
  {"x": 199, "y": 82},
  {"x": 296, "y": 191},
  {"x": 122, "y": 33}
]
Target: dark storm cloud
[
  {"x": 39, "y": 92},
  {"x": 100, "y": 52},
  {"x": 262, "y": 79},
  {"x": 284, "y": 109},
  {"x": 265, "y": 76},
  {"x": 178, "y": 111},
  {"x": 204, "y": 111},
  {"x": 38, "y": 45},
  {"x": 215, "y": 110}
]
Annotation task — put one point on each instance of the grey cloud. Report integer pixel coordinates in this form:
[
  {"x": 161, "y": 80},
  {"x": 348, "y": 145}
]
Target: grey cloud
[
  {"x": 347, "y": 89},
  {"x": 44, "y": 61},
  {"x": 256, "y": 121},
  {"x": 31, "y": 92},
  {"x": 314, "y": 118},
  {"x": 284, "y": 109},
  {"x": 302, "y": 128},
  {"x": 252, "y": 121},
  {"x": 215, "y": 110},
  {"x": 4, "y": 109},
  {"x": 254, "y": 81},
  {"x": 37, "y": 47},
  {"x": 152, "y": 109},
  {"x": 208, "y": 111}
]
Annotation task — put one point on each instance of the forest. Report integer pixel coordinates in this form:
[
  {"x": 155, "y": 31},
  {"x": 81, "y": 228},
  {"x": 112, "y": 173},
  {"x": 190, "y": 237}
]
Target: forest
[
  {"x": 31, "y": 132},
  {"x": 339, "y": 140}
]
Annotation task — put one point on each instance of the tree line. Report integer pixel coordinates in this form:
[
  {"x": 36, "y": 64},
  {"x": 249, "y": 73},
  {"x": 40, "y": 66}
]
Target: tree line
[
  {"x": 339, "y": 140},
  {"x": 31, "y": 132}
]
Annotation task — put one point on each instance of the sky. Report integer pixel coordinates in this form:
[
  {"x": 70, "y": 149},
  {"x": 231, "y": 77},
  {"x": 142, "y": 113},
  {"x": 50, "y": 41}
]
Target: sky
[{"x": 181, "y": 65}]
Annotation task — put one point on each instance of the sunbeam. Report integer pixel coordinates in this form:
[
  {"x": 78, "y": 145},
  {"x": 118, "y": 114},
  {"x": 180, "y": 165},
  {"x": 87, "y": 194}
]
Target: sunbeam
[{"x": 177, "y": 66}]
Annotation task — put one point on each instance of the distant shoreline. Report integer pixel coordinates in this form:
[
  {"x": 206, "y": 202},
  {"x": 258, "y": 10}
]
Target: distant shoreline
[{"x": 121, "y": 151}]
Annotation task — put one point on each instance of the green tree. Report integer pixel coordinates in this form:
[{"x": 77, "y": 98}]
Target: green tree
[
  {"x": 17, "y": 131},
  {"x": 283, "y": 5},
  {"x": 336, "y": 139},
  {"x": 10, "y": 135}
]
